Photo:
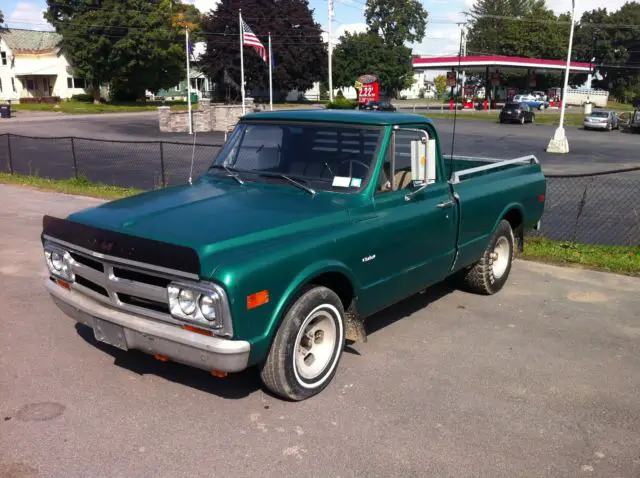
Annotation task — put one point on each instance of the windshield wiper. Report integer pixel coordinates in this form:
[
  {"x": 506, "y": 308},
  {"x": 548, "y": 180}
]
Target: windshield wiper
[
  {"x": 287, "y": 178},
  {"x": 233, "y": 173}
]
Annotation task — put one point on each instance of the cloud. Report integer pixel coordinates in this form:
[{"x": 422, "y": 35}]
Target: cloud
[
  {"x": 28, "y": 15},
  {"x": 341, "y": 30},
  {"x": 204, "y": 5},
  {"x": 351, "y": 28},
  {"x": 564, "y": 6}
]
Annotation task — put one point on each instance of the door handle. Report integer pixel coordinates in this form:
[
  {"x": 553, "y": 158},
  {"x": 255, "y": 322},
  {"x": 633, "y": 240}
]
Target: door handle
[{"x": 444, "y": 205}]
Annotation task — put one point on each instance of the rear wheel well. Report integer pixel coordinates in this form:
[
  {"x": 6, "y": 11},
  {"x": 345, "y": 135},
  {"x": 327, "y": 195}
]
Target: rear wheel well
[{"x": 516, "y": 220}]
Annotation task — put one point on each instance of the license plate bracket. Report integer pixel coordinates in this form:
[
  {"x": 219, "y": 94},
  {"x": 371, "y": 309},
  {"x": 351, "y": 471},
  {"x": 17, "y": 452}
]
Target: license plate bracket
[{"x": 109, "y": 333}]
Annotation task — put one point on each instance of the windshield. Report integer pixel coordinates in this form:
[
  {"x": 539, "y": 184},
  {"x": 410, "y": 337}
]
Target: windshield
[
  {"x": 511, "y": 106},
  {"x": 323, "y": 157},
  {"x": 599, "y": 114}
]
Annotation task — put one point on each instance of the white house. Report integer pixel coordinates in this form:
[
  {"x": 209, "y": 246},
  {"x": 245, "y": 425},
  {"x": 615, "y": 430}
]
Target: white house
[{"x": 32, "y": 66}]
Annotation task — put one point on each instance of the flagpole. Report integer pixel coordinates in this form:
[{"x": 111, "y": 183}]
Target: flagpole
[
  {"x": 270, "y": 76},
  {"x": 241, "y": 59},
  {"x": 186, "y": 38}
]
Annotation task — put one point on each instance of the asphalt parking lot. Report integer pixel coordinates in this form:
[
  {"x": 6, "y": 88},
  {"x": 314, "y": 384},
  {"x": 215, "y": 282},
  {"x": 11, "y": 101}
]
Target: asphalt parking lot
[{"x": 540, "y": 380}]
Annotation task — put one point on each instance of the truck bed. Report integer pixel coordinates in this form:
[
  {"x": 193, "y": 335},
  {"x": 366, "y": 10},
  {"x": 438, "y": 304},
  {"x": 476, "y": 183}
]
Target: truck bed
[{"x": 486, "y": 189}]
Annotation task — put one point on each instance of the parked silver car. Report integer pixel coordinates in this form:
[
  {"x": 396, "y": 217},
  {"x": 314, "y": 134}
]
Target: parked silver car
[{"x": 604, "y": 120}]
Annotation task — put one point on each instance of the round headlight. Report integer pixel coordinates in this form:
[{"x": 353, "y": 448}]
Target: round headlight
[
  {"x": 57, "y": 261},
  {"x": 208, "y": 307},
  {"x": 187, "y": 301}
]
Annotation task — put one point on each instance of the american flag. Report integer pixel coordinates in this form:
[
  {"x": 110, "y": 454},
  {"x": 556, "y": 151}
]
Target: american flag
[{"x": 250, "y": 39}]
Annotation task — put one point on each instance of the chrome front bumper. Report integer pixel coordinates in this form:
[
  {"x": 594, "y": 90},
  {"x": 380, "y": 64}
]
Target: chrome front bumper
[{"x": 128, "y": 331}]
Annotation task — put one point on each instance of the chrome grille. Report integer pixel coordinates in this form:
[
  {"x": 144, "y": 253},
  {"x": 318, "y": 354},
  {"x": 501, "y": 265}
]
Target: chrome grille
[{"x": 122, "y": 286}]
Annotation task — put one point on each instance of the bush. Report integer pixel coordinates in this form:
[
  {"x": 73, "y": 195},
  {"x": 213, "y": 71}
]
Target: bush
[
  {"x": 83, "y": 97},
  {"x": 341, "y": 104}
]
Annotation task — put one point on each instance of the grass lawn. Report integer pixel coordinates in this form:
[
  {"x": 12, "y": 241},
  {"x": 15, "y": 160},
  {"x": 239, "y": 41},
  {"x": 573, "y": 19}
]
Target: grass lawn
[
  {"x": 617, "y": 259},
  {"x": 82, "y": 107},
  {"x": 80, "y": 186}
]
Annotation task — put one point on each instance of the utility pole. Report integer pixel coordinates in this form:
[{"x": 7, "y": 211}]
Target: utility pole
[
  {"x": 330, "y": 50},
  {"x": 463, "y": 48},
  {"x": 186, "y": 40}
]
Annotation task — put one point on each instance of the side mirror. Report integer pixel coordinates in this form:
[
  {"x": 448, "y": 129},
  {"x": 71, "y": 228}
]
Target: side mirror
[{"x": 423, "y": 164}]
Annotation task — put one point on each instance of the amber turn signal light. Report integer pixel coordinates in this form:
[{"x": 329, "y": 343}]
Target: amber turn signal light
[
  {"x": 197, "y": 330},
  {"x": 162, "y": 358},
  {"x": 218, "y": 373},
  {"x": 257, "y": 299},
  {"x": 63, "y": 284}
]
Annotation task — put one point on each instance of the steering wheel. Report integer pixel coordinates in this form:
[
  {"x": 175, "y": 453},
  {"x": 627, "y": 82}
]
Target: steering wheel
[{"x": 351, "y": 161}]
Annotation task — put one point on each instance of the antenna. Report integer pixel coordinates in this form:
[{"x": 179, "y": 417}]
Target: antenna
[{"x": 455, "y": 102}]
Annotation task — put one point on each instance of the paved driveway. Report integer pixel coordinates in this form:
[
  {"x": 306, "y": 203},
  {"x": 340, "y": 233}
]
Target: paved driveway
[{"x": 541, "y": 380}]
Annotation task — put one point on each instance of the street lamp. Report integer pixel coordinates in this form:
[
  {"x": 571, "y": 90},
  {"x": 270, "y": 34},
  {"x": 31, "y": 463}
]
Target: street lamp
[{"x": 559, "y": 142}]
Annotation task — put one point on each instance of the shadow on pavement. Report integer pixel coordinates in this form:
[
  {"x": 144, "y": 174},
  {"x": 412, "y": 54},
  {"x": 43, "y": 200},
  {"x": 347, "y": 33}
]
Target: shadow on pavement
[
  {"x": 234, "y": 386},
  {"x": 242, "y": 384},
  {"x": 408, "y": 306}
]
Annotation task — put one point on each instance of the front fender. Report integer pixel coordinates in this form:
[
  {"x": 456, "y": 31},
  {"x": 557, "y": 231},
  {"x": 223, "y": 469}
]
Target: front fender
[{"x": 293, "y": 291}]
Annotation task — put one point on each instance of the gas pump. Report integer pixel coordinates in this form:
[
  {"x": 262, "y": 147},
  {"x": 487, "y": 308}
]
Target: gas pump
[
  {"x": 469, "y": 97},
  {"x": 554, "y": 95}
]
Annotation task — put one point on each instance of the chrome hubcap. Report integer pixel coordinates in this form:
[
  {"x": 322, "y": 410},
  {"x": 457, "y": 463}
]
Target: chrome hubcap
[
  {"x": 315, "y": 344},
  {"x": 500, "y": 257}
]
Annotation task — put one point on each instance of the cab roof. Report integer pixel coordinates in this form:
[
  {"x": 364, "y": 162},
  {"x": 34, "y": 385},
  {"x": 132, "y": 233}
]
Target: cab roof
[{"x": 375, "y": 118}]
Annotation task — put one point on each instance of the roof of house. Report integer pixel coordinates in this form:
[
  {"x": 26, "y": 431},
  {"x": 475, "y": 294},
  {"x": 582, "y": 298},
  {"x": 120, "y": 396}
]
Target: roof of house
[
  {"x": 339, "y": 116},
  {"x": 30, "y": 41}
]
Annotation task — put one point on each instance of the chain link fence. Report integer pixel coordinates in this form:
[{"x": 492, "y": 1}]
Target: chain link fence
[
  {"x": 138, "y": 164},
  {"x": 595, "y": 208}
]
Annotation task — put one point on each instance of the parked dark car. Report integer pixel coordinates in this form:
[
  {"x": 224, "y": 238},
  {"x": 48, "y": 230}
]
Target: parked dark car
[
  {"x": 517, "y": 113},
  {"x": 382, "y": 105}
]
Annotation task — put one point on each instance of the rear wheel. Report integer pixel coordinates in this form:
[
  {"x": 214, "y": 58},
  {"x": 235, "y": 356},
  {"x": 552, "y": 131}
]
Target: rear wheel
[
  {"x": 308, "y": 346},
  {"x": 533, "y": 119},
  {"x": 490, "y": 273}
]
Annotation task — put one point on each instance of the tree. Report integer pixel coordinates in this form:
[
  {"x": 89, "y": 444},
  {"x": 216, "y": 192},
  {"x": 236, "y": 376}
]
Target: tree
[
  {"x": 131, "y": 44},
  {"x": 524, "y": 28},
  {"x": 1, "y": 17},
  {"x": 613, "y": 40},
  {"x": 362, "y": 53},
  {"x": 396, "y": 21},
  {"x": 441, "y": 84},
  {"x": 299, "y": 53}
]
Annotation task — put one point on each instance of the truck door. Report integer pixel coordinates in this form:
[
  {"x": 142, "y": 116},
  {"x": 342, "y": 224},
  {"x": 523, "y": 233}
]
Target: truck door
[{"x": 418, "y": 240}]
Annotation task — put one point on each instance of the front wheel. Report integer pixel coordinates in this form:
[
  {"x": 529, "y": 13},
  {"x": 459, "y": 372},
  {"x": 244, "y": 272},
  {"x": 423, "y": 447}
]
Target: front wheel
[
  {"x": 522, "y": 119},
  {"x": 308, "y": 346},
  {"x": 490, "y": 273}
]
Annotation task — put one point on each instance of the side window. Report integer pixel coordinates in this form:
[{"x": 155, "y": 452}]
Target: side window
[{"x": 396, "y": 174}]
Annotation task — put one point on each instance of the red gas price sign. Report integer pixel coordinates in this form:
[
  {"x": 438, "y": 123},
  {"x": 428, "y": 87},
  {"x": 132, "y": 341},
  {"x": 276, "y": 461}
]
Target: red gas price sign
[{"x": 369, "y": 89}]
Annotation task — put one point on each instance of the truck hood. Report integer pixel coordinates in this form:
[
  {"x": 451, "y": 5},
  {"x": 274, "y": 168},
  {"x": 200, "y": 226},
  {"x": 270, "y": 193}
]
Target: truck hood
[{"x": 213, "y": 216}]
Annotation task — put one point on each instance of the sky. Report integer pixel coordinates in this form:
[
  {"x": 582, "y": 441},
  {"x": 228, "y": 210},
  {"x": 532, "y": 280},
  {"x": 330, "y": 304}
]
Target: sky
[{"x": 442, "y": 36}]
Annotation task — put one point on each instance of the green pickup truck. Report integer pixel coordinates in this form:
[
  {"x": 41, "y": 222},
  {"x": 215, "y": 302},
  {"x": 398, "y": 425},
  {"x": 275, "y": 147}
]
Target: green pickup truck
[{"x": 306, "y": 223}]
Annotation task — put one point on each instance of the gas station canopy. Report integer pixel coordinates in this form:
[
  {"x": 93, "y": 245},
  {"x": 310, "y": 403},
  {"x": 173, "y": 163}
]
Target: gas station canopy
[{"x": 483, "y": 63}]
